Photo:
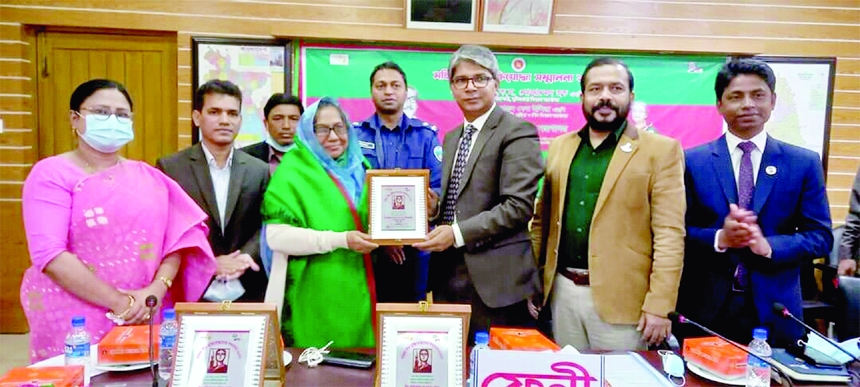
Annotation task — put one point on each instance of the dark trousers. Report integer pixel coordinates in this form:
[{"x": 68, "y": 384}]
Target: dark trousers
[
  {"x": 401, "y": 283},
  {"x": 736, "y": 319},
  {"x": 451, "y": 283}
]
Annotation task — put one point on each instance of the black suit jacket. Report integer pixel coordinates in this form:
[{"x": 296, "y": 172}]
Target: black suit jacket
[
  {"x": 493, "y": 208},
  {"x": 259, "y": 150},
  {"x": 243, "y": 221}
]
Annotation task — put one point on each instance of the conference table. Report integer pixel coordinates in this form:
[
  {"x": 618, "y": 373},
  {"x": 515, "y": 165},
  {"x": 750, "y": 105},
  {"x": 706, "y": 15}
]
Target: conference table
[{"x": 300, "y": 375}]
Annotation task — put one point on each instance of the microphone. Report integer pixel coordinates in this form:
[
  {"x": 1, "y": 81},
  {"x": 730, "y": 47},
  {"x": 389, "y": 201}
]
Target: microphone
[
  {"x": 680, "y": 319},
  {"x": 151, "y": 301},
  {"x": 781, "y": 311}
]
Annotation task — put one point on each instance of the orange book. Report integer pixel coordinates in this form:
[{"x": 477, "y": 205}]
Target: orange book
[
  {"x": 520, "y": 339},
  {"x": 716, "y": 356},
  {"x": 127, "y": 345},
  {"x": 68, "y": 376}
]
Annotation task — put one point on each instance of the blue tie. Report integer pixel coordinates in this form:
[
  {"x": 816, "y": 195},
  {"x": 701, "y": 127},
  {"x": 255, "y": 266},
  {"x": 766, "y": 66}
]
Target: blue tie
[{"x": 454, "y": 182}]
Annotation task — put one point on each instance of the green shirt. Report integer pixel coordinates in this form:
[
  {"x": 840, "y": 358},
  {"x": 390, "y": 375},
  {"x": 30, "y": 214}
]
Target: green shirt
[{"x": 587, "y": 171}]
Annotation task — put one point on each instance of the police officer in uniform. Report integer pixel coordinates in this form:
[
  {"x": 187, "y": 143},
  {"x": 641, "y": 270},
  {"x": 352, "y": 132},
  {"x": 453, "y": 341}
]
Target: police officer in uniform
[{"x": 389, "y": 139}]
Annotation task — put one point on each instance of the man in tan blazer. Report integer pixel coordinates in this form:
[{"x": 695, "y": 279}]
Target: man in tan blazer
[{"x": 609, "y": 225}]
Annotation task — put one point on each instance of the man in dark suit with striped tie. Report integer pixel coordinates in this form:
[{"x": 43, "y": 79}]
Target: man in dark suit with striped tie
[{"x": 491, "y": 167}]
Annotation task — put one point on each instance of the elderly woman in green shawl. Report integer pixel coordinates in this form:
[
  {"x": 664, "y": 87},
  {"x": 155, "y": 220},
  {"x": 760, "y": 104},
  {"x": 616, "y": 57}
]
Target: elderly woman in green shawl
[{"x": 315, "y": 210}]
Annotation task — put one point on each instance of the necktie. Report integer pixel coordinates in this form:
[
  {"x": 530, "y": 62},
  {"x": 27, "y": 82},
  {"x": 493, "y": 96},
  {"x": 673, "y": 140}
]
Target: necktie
[
  {"x": 746, "y": 183},
  {"x": 746, "y": 187},
  {"x": 456, "y": 174}
]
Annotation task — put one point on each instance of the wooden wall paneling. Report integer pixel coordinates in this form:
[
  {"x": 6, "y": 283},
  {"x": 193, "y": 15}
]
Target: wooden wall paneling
[
  {"x": 15, "y": 85},
  {"x": 845, "y": 148},
  {"x": 14, "y": 252},
  {"x": 703, "y": 29},
  {"x": 845, "y": 116},
  {"x": 846, "y": 81},
  {"x": 849, "y": 98},
  {"x": 12, "y": 51},
  {"x": 14, "y": 103},
  {"x": 848, "y": 66},
  {"x": 17, "y": 138},
  {"x": 840, "y": 180},
  {"x": 843, "y": 131},
  {"x": 233, "y": 11},
  {"x": 757, "y": 12},
  {"x": 14, "y": 172},
  {"x": 844, "y": 165},
  {"x": 17, "y": 154}
]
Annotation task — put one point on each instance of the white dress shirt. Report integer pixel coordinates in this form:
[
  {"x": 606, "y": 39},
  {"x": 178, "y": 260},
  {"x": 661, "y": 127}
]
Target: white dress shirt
[
  {"x": 732, "y": 141},
  {"x": 220, "y": 181},
  {"x": 478, "y": 123},
  {"x": 759, "y": 140}
]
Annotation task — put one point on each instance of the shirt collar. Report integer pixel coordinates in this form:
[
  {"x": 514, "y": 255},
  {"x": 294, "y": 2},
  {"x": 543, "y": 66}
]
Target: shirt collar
[
  {"x": 375, "y": 123},
  {"x": 760, "y": 140},
  {"x": 616, "y": 135},
  {"x": 272, "y": 153},
  {"x": 210, "y": 159},
  {"x": 479, "y": 122}
]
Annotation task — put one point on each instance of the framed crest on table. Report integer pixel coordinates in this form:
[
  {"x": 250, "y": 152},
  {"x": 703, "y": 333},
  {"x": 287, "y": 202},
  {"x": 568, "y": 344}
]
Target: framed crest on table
[
  {"x": 228, "y": 344},
  {"x": 422, "y": 344}
]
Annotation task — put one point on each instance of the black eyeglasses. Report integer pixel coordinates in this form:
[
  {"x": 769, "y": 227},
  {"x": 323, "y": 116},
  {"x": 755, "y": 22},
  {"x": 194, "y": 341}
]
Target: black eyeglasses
[
  {"x": 323, "y": 132},
  {"x": 479, "y": 81}
]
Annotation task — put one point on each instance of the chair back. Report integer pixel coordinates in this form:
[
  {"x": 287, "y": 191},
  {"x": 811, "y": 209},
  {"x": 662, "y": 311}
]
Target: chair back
[{"x": 848, "y": 326}]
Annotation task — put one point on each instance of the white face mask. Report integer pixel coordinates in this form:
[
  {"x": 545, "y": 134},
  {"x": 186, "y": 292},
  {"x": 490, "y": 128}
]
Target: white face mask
[
  {"x": 823, "y": 352},
  {"x": 274, "y": 144},
  {"x": 673, "y": 366},
  {"x": 106, "y": 135},
  {"x": 224, "y": 290}
]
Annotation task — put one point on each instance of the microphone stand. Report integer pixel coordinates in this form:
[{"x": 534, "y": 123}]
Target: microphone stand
[
  {"x": 781, "y": 311},
  {"x": 151, "y": 301},
  {"x": 676, "y": 317}
]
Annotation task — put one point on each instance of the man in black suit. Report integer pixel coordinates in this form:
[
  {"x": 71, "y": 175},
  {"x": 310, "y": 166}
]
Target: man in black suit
[
  {"x": 282, "y": 119},
  {"x": 482, "y": 254},
  {"x": 229, "y": 186}
]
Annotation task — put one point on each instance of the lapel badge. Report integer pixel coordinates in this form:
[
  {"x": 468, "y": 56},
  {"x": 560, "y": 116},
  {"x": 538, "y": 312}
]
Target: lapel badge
[
  {"x": 770, "y": 170},
  {"x": 627, "y": 148}
]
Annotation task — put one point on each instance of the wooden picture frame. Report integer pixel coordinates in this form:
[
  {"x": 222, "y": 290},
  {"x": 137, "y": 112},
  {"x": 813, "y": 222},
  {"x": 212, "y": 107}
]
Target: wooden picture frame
[
  {"x": 397, "y": 210},
  {"x": 423, "y": 14},
  {"x": 252, "y": 330},
  {"x": 396, "y": 321},
  {"x": 525, "y": 17}
]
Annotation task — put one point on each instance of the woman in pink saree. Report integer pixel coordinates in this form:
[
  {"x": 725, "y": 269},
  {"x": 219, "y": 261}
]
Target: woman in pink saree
[{"x": 105, "y": 232}]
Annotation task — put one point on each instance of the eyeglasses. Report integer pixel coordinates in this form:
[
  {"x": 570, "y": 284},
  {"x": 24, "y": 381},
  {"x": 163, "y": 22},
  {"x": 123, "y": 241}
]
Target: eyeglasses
[
  {"x": 479, "y": 81},
  {"x": 103, "y": 114},
  {"x": 323, "y": 132}
]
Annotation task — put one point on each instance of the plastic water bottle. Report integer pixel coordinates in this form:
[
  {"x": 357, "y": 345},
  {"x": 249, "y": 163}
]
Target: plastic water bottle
[
  {"x": 167, "y": 344},
  {"x": 758, "y": 371},
  {"x": 77, "y": 348},
  {"x": 482, "y": 340}
]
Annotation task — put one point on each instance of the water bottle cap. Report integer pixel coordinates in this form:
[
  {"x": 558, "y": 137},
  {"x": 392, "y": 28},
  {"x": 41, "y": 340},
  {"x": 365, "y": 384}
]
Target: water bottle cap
[
  {"x": 760, "y": 333},
  {"x": 78, "y": 321},
  {"x": 169, "y": 314},
  {"x": 482, "y": 337}
]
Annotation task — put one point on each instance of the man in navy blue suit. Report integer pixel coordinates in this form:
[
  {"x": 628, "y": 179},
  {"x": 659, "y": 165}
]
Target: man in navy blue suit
[{"x": 756, "y": 209}]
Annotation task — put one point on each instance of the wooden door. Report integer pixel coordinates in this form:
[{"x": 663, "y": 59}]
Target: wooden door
[{"x": 146, "y": 65}]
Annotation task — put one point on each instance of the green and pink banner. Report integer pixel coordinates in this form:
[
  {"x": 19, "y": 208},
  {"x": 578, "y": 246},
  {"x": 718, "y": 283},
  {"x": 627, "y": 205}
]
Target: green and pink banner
[{"x": 674, "y": 94}]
